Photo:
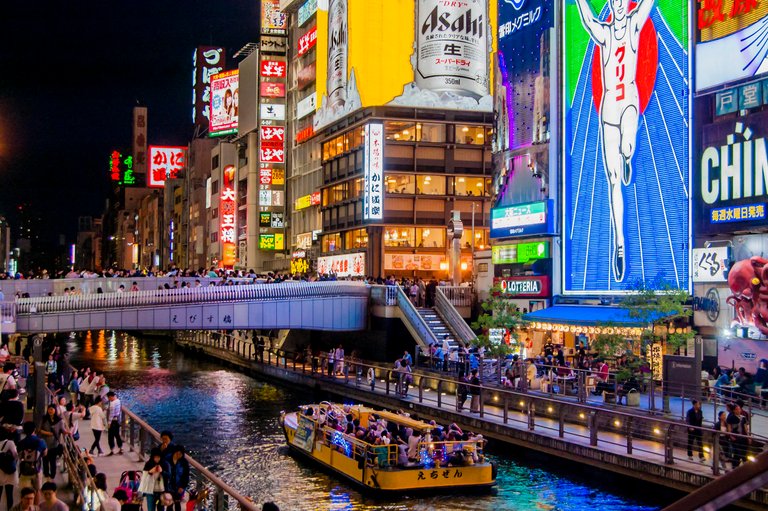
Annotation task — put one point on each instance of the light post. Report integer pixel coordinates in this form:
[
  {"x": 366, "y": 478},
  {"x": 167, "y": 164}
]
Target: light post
[{"x": 455, "y": 230}]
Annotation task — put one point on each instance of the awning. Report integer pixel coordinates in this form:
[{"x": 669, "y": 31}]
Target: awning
[{"x": 585, "y": 315}]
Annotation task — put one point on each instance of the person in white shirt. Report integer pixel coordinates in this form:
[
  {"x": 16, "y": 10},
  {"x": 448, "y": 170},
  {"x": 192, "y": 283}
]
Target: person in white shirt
[
  {"x": 339, "y": 358},
  {"x": 114, "y": 413},
  {"x": 98, "y": 424}
]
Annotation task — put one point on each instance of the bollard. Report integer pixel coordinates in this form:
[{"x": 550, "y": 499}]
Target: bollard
[
  {"x": 531, "y": 414},
  {"x": 669, "y": 448},
  {"x": 629, "y": 435},
  {"x": 592, "y": 423}
]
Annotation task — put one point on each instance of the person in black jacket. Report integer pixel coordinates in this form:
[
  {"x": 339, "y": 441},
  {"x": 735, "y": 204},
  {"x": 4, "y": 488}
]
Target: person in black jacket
[
  {"x": 156, "y": 467},
  {"x": 179, "y": 480},
  {"x": 12, "y": 415},
  {"x": 694, "y": 418}
]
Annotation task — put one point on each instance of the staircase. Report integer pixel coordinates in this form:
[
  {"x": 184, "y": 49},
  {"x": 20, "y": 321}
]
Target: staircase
[{"x": 437, "y": 326}]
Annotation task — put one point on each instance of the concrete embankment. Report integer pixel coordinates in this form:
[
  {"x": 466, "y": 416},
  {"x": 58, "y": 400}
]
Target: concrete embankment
[{"x": 621, "y": 444}]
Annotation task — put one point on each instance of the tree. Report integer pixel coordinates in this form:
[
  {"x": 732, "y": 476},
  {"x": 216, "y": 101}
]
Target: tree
[
  {"x": 498, "y": 312},
  {"x": 651, "y": 306}
]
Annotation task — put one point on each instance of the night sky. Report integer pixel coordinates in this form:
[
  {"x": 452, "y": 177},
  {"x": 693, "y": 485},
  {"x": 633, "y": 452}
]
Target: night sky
[{"x": 70, "y": 73}]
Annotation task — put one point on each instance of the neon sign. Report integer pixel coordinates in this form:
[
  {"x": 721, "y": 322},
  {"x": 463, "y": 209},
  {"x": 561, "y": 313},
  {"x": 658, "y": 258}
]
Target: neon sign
[
  {"x": 228, "y": 215},
  {"x": 165, "y": 163}
]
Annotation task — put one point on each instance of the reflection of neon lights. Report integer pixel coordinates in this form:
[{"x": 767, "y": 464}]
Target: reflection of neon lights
[{"x": 426, "y": 458}]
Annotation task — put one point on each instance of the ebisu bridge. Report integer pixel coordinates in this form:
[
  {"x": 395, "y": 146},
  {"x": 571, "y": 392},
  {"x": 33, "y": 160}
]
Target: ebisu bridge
[{"x": 103, "y": 304}]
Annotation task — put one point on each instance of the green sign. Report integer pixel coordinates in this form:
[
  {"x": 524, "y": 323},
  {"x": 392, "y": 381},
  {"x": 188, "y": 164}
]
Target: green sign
[
  {"x": 519, "y": 252},
  {"x": 531, "y": 251}
]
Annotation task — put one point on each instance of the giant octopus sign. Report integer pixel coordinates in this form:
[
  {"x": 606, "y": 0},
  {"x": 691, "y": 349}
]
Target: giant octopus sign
[{"x": 748, "y": 280}]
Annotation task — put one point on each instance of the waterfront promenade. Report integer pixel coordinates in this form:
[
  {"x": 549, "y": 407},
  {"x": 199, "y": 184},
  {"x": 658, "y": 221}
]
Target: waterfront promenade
[{"x": 625, "y": 441}]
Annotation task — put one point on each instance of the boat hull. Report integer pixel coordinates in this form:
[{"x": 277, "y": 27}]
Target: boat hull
[{"x": 478, "y": 477}]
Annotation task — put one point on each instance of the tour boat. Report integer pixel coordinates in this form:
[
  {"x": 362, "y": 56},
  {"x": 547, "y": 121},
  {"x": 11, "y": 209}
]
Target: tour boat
[{"x": 313, "y": 431}]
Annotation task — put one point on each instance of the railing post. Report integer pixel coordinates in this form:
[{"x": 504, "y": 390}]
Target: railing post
[
  {"x": 388, "y": 376},
  {"x": 669, "y": 448},
  {"x": 345, "y": 370},
  {"x": 219, "y": 505},
  {"x": 421, "y": 389},
  {"x": 269, "y": 357},
  {"x": 142, "y": 443},
  {"x": 629, "y": 435},
  {"x": 505, "y": 418},
  {"x": 439, "y": 393},
  {"x": 482, "y": 406},
  {"x": 131, "y": 433},
  {"x": 716, "y": 454},
  {"x": 592, "y": 423},
  {"x": 531, "y": 414},
  {"x": 561, "y": 422}
]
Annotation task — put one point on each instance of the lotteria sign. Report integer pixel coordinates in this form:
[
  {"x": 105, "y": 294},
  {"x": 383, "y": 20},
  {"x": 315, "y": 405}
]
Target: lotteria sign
[
  {"x": 522, "y": 220},
  {"x": 525, "y": 287},
  {"x": 731, "y": 190}
]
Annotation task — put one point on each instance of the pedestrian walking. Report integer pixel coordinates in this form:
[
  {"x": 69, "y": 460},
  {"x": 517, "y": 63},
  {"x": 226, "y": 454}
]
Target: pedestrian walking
[
  {"x": 98, "y": 424},
  {"x": 51, "y": 428},
  {"x": 474, "y": 391},
  {"x": 114, "y": 413},
  {"x": 694, "y": 419},
  {"x": 461, "y": 390}
]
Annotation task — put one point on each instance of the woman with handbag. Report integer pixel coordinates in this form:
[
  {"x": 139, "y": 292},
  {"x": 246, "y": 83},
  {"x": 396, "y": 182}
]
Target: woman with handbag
[
  {"x": 50, "y": 430},
  {"x": 154, "y": 478},
  {"x": 72, "y": 417}
]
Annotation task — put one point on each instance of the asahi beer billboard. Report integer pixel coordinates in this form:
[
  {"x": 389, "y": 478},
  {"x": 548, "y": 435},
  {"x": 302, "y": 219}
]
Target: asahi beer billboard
[{"x": 428, "y": 54}]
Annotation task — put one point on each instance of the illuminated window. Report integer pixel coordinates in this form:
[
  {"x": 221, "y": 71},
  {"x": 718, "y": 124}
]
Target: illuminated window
[
  {"x": 356, "y": 239},
  {"x": 430, "y": 237},
  {"x": 356, "y": 188},
  {"x": 430, "y": 132},
  {"x": 400, "y": 237},
  {"x": 470, "y": 134},
  {"x": 400, "y": 183},
  {"x": 430, "y": 185},
  {"x": 335, "y": 194},
  {"x": 331, "y": 242},
  {"x": 343, "y": 143},
  {"x": 481, "y": 237},
  {"x": 469, "y": 186},
  {"x": 400, "y": 131}
]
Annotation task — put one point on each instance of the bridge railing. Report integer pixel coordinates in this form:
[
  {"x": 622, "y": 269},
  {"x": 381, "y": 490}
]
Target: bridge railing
[
  {"x": 447, "y": 309},
  {"x": 458, "y": 296},
  {"x": 384, "y": 295},
  {"x": 659, "y": 440},
  {"x": 187, "y": 295},
  {"x": 141, "y": 437}
]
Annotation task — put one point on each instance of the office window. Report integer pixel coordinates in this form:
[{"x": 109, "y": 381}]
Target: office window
[
  {"x": 470, "y": 134},
  {"x": 469, "y": 186},
  {"x": 400, "y": 183},
  {"x": 430, "y": 132},
  {"x": 400, "y": 130},
  {"x": 356, "y": 239},
  {"x": 430, "y": 185}
]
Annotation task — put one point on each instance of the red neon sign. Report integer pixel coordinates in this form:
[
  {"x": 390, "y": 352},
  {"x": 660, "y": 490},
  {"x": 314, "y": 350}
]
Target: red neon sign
[
  {"x": 165, "y": 163},
  {"x": 228, "y": 215},
  {"x": 307, "y": 41},
  {"x": 273, "y": 69}
]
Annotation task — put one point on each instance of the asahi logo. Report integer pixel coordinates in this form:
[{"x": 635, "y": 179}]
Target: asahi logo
[
  {"x": 736, "y": 170},
  {"x": 444, "y": 21}
]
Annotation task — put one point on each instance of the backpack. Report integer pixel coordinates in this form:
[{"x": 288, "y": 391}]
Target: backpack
[
  {"x": 30, "y": 462},
  {"x": 7, "y": 460}
]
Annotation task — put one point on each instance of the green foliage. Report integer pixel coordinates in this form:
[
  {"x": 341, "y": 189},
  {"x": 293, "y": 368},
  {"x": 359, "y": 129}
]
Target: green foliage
[
  {"x": 498, "y": 312},
  {"x": 655, "y": 307}
]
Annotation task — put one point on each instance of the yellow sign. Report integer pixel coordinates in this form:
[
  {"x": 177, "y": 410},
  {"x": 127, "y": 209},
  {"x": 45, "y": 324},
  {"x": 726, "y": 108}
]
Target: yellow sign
[
  {"x": 418, "y": 53},
  {"x": 303, "y": 202},
  {"x": 278, "y": 176}
]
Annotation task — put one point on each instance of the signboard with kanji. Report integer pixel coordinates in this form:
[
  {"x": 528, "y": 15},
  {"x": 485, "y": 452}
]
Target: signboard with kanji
[{"x": 165, "y": 162}]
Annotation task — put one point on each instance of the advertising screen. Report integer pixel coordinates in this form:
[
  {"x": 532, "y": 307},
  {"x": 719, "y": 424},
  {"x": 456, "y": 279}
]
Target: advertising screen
[
  {"x": 522, "y": 220},
  {"x": 165, "y": 163},
  {"x": 524, "y": 33},
  {"x": 428, "y": 54},
  {"x": 208, "y": 60},
  {"x": 731, "y": 175},
  {"x": 346, "y": 265},
  {"x": 730, "y": 41},
  {"x": 224, "y": 103},
  {"x": 625, "y": 145}
]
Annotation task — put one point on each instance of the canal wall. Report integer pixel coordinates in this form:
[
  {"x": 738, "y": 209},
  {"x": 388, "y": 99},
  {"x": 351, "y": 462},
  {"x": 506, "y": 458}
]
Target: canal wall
[{"x": 575, "y": 448}]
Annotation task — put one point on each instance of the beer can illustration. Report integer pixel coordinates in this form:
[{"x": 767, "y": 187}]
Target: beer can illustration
[
  {"x": 452, "y": 46},
  {"x": 337, "y": 54}
]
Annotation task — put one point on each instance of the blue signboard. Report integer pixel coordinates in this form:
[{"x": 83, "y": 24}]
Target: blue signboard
[
  {"x": 524, "y": 41},
  {"x": 625, "y": 146},
  {"x": 522, "y": 220}
]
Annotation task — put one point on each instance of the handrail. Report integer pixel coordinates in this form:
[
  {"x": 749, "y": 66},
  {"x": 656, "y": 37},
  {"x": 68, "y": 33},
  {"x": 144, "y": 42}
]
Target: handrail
[
  {"x": 506, "y": 395},
  {"x": 244, "y": 502},
  {"x": 282, "y": 291},
  {"x": 453, "y": 319},
  {"x": 383, "y": 295},
  {"x": 458, "y": 296},
  {"x": 412, "y": 316}
]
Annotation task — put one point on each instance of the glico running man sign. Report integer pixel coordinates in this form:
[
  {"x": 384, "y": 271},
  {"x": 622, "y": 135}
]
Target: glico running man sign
[{"x": 626, "y": 144}]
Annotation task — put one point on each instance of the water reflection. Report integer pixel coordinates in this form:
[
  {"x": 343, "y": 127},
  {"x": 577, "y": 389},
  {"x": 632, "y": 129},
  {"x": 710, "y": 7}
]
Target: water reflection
[{"x": 228, "y": 421}]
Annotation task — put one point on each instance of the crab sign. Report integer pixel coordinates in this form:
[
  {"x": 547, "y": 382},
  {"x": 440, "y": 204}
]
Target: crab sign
[{"x": 748, "y": 280}]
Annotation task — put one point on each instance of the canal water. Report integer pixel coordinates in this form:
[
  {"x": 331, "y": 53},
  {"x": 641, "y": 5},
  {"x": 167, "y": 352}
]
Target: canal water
[{"x": 228, "y": 421}]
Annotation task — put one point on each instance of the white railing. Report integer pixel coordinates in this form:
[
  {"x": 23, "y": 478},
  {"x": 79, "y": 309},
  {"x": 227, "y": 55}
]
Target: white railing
[
  {"x": 452, "y": 318},
  {"x": 283, "y": 291},
  {"x": 384, "y": 295},
  {"x": 7, "y": 312},
  {"x": 459, "y": 296},
  {"x": 412, "y": 317}
]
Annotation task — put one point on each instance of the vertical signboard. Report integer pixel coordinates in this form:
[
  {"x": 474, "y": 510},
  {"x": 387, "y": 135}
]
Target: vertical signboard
[
  {"x": 373, "y": 167},
  {"x": 139, "y": 140},
  {"x": 207, "y": 61},
  {"x": 525, "y": 28},
  {"x": 165, "y": 163},
  {"x": 225, "y": 99},
  {"x": 228, "y": 217},
  {"x": 625, "y": 145}
]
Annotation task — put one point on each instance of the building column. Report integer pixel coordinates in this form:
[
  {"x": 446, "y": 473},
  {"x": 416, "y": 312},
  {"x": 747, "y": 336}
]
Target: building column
[{"x": 252, "y": 202}]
